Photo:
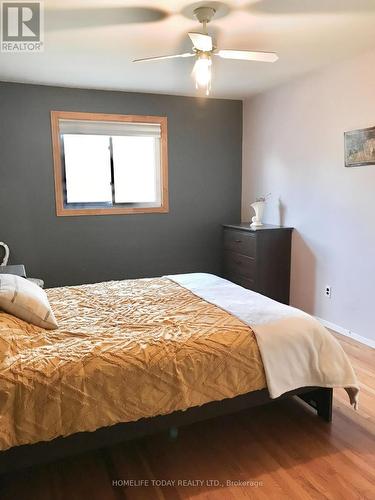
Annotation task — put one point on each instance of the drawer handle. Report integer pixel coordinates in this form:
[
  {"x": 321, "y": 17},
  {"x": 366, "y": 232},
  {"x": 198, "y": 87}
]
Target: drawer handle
[{"x": 238, "y": 241}]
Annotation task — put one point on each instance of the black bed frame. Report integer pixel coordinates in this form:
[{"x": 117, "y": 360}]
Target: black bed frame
[{"x": 29, "y": 455}]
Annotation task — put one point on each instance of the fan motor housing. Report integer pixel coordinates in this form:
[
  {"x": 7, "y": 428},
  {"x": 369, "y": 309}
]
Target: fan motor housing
[{"x": 204, "y": 14}]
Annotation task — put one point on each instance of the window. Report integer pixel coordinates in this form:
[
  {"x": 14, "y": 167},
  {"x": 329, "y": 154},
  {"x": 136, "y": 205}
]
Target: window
[{"x": 109, "y": 164}]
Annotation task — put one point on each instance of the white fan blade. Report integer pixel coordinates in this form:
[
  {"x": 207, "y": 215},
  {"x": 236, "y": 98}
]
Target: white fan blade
[
  {"x": 201, "y": 42},
  {"x": 248, "y": 55},
  {"x": 158, "y": 58}
]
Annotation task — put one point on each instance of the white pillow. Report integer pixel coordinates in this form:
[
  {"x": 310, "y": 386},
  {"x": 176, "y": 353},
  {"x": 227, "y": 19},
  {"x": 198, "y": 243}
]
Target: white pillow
[{"x": 26, "y": 301}]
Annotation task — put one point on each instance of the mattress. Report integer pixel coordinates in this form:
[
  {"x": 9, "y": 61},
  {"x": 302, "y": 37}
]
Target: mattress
[{"x": 124, "y": 350}]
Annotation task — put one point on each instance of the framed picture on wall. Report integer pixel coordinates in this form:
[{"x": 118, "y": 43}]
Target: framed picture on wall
[{"x": 360, "y": 147}]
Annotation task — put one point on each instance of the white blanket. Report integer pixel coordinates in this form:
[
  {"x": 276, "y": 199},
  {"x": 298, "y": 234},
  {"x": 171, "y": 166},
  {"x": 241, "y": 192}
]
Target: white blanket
[{"x": 296, "y": 350}]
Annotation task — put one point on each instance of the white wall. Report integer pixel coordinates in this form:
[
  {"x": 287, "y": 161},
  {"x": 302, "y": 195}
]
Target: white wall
[{"x": 294, "y": 147}]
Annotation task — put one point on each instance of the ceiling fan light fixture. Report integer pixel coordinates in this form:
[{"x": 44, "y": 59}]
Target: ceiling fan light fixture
[
  {"x": 204, "y": 49},
  {"x": 203, "y": 72}
]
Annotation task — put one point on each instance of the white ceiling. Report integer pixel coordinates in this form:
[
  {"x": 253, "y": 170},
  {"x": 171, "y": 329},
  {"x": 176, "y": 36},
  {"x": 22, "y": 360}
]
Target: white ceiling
[{"x": 91, "y": 43}]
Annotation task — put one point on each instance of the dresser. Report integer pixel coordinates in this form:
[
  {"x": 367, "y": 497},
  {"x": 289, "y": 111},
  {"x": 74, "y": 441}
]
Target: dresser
[
  {"x": 19, "y": 270},
  {"x": 258, "y": 259}
]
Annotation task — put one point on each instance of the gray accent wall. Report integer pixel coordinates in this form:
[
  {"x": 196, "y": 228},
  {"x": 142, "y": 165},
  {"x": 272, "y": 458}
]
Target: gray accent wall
[{"x": 205, "y": 141}]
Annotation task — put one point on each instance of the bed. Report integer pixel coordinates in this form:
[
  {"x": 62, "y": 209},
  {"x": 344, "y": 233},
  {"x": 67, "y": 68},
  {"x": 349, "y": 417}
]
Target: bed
[{"x": 137, "y": 356}]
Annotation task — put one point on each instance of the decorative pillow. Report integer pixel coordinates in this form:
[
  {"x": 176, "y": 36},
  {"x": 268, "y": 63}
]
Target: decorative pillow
[{"x": 26, "y": 301}]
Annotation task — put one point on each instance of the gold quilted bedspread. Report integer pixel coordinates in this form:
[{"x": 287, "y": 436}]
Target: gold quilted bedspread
[{"x": 124, "y": 350}]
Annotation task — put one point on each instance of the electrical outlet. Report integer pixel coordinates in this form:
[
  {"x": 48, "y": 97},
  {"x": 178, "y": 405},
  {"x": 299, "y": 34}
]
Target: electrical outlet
[{"x": 328, "y": 291}]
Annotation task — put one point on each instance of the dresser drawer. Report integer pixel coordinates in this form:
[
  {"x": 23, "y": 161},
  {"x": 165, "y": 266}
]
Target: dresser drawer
[
  {"x": 242, "y": 281},
  {"x": 240, "y": 242},
  {"x": 258, "y": 260},
  {"x": 238, "y": 264}
]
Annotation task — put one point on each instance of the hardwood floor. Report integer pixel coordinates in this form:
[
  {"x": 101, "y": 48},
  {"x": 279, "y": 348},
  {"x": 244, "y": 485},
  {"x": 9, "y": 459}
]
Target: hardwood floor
[{"x": 279, "y": 451}]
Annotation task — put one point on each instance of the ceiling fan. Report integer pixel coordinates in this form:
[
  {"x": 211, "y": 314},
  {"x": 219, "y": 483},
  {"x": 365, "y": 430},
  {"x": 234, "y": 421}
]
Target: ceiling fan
[{"x": 204, "y": 49}]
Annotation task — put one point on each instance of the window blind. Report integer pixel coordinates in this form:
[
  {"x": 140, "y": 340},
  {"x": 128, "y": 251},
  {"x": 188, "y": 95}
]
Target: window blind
[{"x": 110, "y": 128}]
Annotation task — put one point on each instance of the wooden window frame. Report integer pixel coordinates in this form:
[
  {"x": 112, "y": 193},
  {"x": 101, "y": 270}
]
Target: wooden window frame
[{"x": 61, "y": 209}]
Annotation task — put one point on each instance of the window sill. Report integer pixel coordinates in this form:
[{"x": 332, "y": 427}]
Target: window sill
[{"x": 64, "y": 212}]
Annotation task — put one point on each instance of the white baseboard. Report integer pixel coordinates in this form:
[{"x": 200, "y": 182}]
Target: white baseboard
[{"x": 347, "y": 333}]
